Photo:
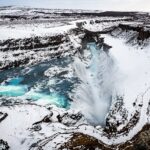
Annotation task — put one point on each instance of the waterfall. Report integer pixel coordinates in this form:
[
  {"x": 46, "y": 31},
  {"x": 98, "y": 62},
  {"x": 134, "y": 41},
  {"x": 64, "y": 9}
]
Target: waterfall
[{"x": 96, "y": 73}]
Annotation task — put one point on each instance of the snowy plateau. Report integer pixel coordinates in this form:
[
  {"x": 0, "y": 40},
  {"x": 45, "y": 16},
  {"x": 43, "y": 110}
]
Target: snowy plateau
[{"x": 74, "y": 79}]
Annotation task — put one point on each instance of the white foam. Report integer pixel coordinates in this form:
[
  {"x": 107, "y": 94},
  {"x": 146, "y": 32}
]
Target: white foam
[{"x": 93, "y": 95}]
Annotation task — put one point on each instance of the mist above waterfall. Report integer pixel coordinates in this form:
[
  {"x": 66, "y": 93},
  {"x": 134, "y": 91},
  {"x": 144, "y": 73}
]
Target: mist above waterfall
[{"x": 96, "y": 72}]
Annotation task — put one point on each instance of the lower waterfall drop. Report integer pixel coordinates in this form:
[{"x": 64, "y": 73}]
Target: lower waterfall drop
[{"x": 93, "y": 95}]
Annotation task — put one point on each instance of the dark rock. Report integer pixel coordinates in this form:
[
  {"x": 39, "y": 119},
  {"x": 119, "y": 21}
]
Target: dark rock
[
  {"x": 3, "y": 116},
  {"x": 3, "y": 145}
]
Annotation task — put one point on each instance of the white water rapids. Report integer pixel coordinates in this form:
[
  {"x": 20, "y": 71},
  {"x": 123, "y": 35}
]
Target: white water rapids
[{"x": 93, "y": 96}]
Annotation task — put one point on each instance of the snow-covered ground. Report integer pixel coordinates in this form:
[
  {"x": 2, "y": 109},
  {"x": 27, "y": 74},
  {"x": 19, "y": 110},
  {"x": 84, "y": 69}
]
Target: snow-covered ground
[
  {"x": 27, "y": 31},
  {"x": 16, "y": 128}
]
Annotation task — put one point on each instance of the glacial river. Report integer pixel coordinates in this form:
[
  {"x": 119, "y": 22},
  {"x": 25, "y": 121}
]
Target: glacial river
[
  {"x": 84, "y": 80},
  {"x": 31, "y": 83}
]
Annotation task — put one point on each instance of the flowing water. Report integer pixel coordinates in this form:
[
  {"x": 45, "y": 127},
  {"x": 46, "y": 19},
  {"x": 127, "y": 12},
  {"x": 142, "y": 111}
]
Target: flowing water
[
  {"x": 32, "y": 84},
  {"x": 94, "y": 94},
  {"x": 90, "y": 86}
]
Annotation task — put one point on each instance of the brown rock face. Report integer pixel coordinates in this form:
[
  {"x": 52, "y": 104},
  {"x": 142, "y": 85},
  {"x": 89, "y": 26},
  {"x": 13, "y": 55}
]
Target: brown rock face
[{"x": 80, "y": 141}]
